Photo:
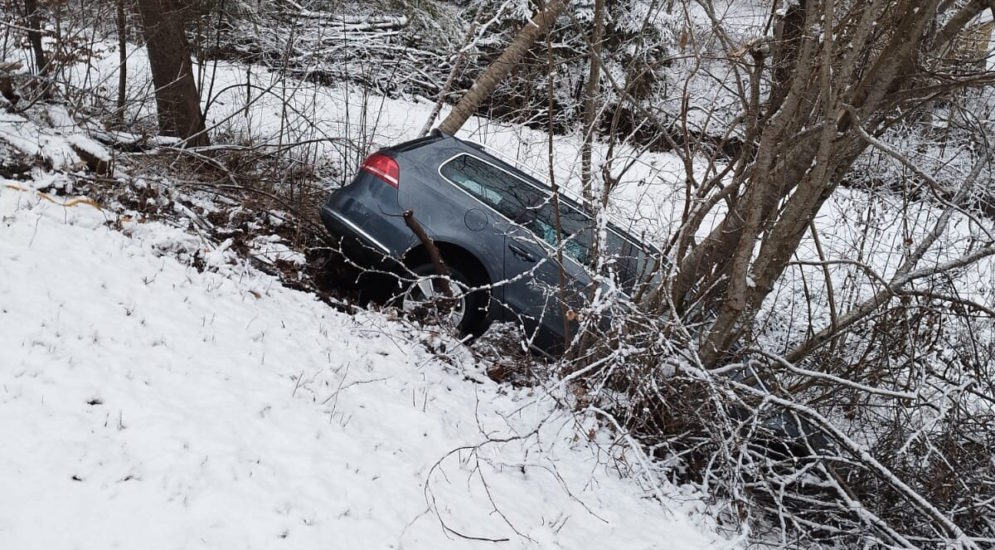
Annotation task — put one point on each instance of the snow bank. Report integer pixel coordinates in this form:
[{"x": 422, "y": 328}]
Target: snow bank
[{"x": 144, "y": 404}]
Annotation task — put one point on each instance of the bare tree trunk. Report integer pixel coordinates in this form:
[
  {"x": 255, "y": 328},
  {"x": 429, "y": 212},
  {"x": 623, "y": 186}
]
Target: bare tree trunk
[
  {"x": 176, "y": 95},
  {"x": 34, "y": 35},
  {"x": 590, "y": 99},
  {"x": 501, "y": 66},
  {"x": 122, "y": 46},
  {"x": 457, "y": 64}
]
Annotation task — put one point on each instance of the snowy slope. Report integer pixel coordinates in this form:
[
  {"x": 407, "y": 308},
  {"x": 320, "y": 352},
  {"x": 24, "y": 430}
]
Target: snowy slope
[{"x": 144, "y": 404}]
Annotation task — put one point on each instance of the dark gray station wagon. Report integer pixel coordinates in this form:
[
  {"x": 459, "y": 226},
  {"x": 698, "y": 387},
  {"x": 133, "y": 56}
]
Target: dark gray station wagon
[{"x": 496, "y": 229}]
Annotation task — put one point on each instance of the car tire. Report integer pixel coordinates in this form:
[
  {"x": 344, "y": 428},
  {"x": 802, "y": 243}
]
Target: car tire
[{"x": 472, "y": 310}]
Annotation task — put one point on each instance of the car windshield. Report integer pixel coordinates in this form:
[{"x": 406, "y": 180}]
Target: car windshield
[{"x": 532, "y": 208}]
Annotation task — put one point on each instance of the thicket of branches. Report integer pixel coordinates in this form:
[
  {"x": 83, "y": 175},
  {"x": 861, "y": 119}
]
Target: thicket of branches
[
  {"x": 857, "y": 337},
  {"x": 818, "y": 351}
]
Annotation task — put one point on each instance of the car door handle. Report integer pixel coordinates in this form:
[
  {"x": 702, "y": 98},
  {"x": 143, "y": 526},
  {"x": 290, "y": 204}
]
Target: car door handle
[{"x": 522, "y": 253}]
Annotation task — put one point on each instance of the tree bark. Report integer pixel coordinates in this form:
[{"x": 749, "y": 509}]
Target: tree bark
[
  {"x": 122, "y": 46},
  {"x": 176, "y": 95},
  {"x": 501, "y": 66},
  {"x": 34, "y": 35}
]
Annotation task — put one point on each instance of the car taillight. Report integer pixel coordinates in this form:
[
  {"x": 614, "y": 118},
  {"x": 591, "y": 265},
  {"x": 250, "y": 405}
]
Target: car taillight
[{"x": 383, "y": 167}]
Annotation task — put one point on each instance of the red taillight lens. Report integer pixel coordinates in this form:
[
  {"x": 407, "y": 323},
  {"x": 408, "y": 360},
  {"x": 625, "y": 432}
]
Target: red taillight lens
[{"x": 383, "y": 167}]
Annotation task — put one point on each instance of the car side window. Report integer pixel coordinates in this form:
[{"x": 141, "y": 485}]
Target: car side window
[
  {"x": 533, "y": 209},
  {"x": 576, "y": 230},
  {"x": 522, "y": 203},
  {"x": 493, "y": 186}
]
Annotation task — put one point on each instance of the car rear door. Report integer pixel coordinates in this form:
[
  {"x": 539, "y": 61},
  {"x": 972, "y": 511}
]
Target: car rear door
[{"x": 530, "y": 290}]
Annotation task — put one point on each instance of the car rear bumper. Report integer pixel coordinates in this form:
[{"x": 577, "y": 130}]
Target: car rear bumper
[
  {"x": 341, "y": 225},
  {"x": 356, "y": 243}
]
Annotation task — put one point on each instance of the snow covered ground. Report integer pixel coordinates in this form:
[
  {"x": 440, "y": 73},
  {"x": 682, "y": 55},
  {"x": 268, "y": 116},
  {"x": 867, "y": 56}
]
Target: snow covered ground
[{"x": 144, "y": 404}]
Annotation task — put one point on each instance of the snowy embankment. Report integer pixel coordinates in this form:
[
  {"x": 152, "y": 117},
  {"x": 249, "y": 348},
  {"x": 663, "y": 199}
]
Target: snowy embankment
[{"x": 144, "y": 404}]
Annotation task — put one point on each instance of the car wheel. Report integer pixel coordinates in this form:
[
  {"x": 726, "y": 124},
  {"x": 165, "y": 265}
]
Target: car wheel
[{"x": 424, "y": 295}]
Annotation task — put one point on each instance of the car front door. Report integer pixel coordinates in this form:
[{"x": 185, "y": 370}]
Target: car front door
[
  {"x": 541, "y": 292},
  {"x": 546, "y": 282}
]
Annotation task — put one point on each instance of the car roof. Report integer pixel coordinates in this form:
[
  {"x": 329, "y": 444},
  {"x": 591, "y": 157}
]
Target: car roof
[{"x": 438, "y": 137}]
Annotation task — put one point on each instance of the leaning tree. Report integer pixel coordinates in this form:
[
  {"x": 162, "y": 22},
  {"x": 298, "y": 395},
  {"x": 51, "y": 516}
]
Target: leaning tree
[{"x": 867, "y": 418}]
